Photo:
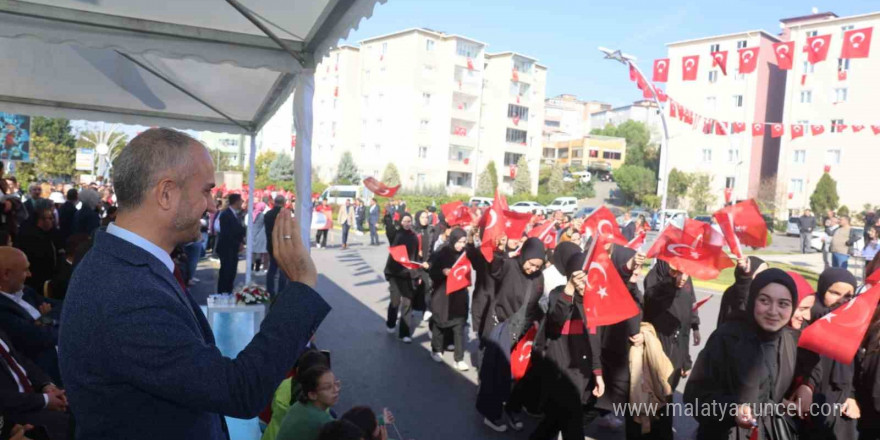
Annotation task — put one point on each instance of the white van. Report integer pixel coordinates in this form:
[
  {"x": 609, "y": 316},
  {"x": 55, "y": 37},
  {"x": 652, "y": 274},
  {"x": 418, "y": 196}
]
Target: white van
[
  {"x": 337, "y": 194},
  {"x": 568, "y": 205},
  {"x": 481, "y": 202}
]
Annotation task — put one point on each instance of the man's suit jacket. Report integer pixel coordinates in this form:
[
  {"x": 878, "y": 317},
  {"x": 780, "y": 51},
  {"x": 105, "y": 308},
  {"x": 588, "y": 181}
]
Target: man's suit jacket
[
  {"x": 232, "y": 232},
  {"x": 269, "y": 224},
  {"x": 346, "y": 214},
  {"x": 374, "y": 214},
  {"x": 32, "y": 340},
  {"x": 139, "y": 358},
  {"x": 39, "y": 246},
  {"x": 65, "y": 218},
  {"x": 360, "y": 213},
  {"x": 13, "y": 401}
]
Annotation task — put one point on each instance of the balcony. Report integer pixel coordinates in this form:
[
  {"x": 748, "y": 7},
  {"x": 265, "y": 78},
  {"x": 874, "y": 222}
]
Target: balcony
[
  {"x": 518, "y": 123},
  {"x": 523, "y": 77},
  {"x": 466, "y": 87},
  {"x": 459, "y": 182},
  {"x": 476, "y": 63}
]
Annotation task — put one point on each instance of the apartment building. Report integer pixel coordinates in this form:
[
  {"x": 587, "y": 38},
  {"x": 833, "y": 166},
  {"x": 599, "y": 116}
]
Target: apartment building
[
  {"x": 831, "y": 92},
  {"x": 434, "y": 104},
  {"x": 593, "y": 152},
  {"x": 233, "y": 147},
  {"x": 747, "y": 164},
  {"x": 644, "y": 111},
  {"x": 566, "y": 117}
]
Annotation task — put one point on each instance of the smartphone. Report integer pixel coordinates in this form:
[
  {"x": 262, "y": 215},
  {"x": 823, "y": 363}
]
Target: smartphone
[{"x": 326, "y": 354}]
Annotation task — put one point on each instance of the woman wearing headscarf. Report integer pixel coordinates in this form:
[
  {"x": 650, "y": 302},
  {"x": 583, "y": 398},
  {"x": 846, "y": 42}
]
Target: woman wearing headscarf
[
  {"x": 391, "y": 226},
  {"x": 867, "y": 381},
  {"x": 401, "y": 281},
  {"x": 519, "y": 285},
  {"x": 831, "y": 381},
  {"x": 748, "y": 364},
  {"x": 426, "y": 235},
  {"x": 804, "y": 303},
  {"x": 669, "y": 301},
  {"x": 484, "y": 289},
  {"x": 450, "y": 309},
  {"x": 733, "y": 302},
  {"x": 571, "y": 366}
]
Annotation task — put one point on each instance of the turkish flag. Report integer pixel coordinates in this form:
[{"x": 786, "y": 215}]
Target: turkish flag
[
  {"x": 875, "y": 129},
  {"x": 728, "y": 193},
  {"x": 777, "y": 130},
  {"x": 515, "y": 223},
  {"x": 700, "y": 303},
  {"x": 856, "y": 43},
  {"x": 672, "y": 108},
  {"x": 521, "y": 356},
  {"x": 607, "y": 301},
  {"x": 689, "y": 67},
  {"x": 739, "y": 127},
  {"x": 841, "y": 75},
  {"x": 633, "y": 73},
  {"x": 757, "y": 129},
  {"x": 817, "y": 129},
  {"x": 380, "y": 189},
  {"x": 720, "y": 128},
  {"x": 742, "y": 223},
  {"x": 696, "y": 250},
  {"x": 708, "y": 125},
  {"x": 719, "y": 60},
  {"x": 784, "y": 54},
  {"x": 459, "y": 275},
  {"x": 797, "y": 130},
  {"x": 638, "y": 240},
  {"x": 602, "y": 223},
  {"x": 817, "y": 48},
  {"x": 661, "y": 70},
  {"x": 839, "y": 334},
  {"x": 455, "y": 213},
  {"x": 470, "y": 64},
  {"x": 515, "y": 75},
  {"x": 874, "y": 278},
  {"x": 858, "y": 128},
  {"x": 661, "y": 95},
  {"x": 840, "y": 127},
  {"x": 546, "y": 232},
  {"x": 748, "y": 59},
  {"x": 493, "y": 224},
  {"x": 399, "y": 254}
]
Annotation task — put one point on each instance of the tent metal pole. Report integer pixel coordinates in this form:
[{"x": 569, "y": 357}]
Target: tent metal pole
[
  {"x": 249, "y": 256},
  {"x": 243, "y": 10}
]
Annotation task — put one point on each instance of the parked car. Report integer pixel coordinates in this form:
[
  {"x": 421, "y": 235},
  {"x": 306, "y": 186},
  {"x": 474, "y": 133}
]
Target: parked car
[
  {"x": 338, "y": 194},
  {"x": 704, "y": 218},
  {"x": 529, "y": 207},
  {"x": 584, "y": 212},
  {"x": 481, "y": 202},
  {"x": 793, "y": 227},
  {"x": 674, "y": 216},
  {"x": 565, "y": 204},
  {"x": 819, "y": 235}
]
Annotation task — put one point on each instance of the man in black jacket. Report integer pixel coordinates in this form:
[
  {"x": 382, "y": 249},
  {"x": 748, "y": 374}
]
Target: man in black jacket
[
  {"x": 230, "y": 242},
  {"x": 269, "y": 222},
  {"x": 807, "y": 224},
  {"x": 37, "y": 240},
  {"x": 66, "y": 214}
]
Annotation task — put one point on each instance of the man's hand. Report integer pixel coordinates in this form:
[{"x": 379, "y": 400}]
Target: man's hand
[
  {"x": 45, "y": 308},
  {"x": 289, "y": 251},
  {"x": 57, "y": 400},
  {"x": 599, "y": 389},
  {"x": 697, "y": 337}
]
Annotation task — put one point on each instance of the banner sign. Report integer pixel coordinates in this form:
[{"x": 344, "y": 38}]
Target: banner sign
[{"x": 15, "y": 137}]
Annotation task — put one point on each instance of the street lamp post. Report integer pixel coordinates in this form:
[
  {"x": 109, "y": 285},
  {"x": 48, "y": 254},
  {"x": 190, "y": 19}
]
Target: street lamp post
[{"x": 663, "y": 174}]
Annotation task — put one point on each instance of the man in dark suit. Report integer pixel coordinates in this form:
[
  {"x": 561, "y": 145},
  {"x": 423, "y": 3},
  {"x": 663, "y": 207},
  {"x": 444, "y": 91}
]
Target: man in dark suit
[
  {"x": 229, "y": 243},
  {"x": 37, "y": 240},
  {"x": 27, "y": 394},
  {"x": 35, "y": 191},
  {"x": 66, "y": 214},
  {"x": 138, "y": 356},
  {"x": 274, "y": 285},
  {"x": 373, "y": 221},
  {"x": 360, "y": 213},
  {"x": 28, "y": 319}
]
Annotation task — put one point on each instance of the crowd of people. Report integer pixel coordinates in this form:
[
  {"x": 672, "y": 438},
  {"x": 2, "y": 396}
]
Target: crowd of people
[{"x": 839, "y": 239}]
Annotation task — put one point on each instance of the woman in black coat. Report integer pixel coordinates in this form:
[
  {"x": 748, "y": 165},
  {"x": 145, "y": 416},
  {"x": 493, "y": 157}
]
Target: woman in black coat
[
  {"x": 450, "y": 309},
  {"x": 867, "y": 381},
  {"x": 571, "y": 366},
  {"x": 402, "y": 281},
  {"x": 748, "y": 364},
  {"x": 484, "y": 290},
  {"x": 733, "y": 302},
  {"x": 426, "y": 235}
]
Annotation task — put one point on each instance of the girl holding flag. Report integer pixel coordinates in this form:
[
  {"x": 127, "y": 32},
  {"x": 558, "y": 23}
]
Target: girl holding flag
[
  {"x": 402, "y": 281},
  {"x": 450, "y": 309}
]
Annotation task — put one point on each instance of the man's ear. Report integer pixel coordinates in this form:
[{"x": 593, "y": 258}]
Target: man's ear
[{"x": 164, "y": 193}]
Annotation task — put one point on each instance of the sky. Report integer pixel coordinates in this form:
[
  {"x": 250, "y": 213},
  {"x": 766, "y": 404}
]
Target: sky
[{"x": 564, "y": 34}]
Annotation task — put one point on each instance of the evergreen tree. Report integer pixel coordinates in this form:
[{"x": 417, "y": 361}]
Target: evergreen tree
[
  {"x": 391, "y": 176},
  {"x": 280, "y": 169},
  {"x": 824, "y": 197},
  {"x": 555, "y": 184},
  {"x": 522, "y": 183},
  {"x": 50, "y": 159},
  {"x": 701, "y": 193},
  {"x": 488, "y": 180},
  {"x": 347, "y": 171}
]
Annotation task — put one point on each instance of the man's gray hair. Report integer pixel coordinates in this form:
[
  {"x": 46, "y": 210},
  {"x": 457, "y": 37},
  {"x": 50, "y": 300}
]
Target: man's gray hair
[
  {"x": 280, "y": 200},
  {"x": 138, "y": 167},
  {"x": 90, "y": 199}
]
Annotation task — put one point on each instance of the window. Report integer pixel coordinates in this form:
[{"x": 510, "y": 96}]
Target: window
[
  {"x": 429, "y": 45},
  {"x": 835, "y": 123},
  {"x": 840, "y": 94},
  {"x": 733, "y": 155},
  {"x": 334, "y": 103},
  {"x": 366, "y": 76},
  {"x": 742, "y": 44},
  {"x": 806, "y": 96},
  {"x": 424, "y": 124},
  {"x": 714, "y": 48},
  {"x": 710, "y": 103},
  {"x": 522, "y": 65},
  {"x": 423, "y": 152},
  {"x": 737, "y": 100},
  {"x": 809, "y": 68},
  {"x": 384, "y": 48},
  {"x": 426, "y": 99},
  {"x": 730, "y": 182},
  {"x": 594, "y": 154},
  {"x": 800, "y": 156},
  {"x": 378, "y": 124},
  {"x": 549, "y": 123},
  {"x": 577, "y": 154},
  {"x": 843, "y": 29},
  {"x": 713, "y": 76},
  {"x": 378, "y": 148},
  {"x": 812, "y": 33},
  {"x": 333, "y": 129},
  {"x": 518, "y": 111},
  {"x": 796, "y": 186},
  {"x": 843, "y": 65},
  {"x": 516, "y": 136},
  {"x": 511, "y": 158},
  {"x": 738, "y": 76},
  {"x": 420, "y": 179},
  {"x": 707, "y": 155},
  {"x": 466, "y": 49},
  {"x": 612, "y": 155},
  {"x": 832, "y": 156}
]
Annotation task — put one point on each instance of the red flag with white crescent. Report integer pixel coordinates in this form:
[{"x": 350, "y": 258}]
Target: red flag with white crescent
[
  {"x": 400, "y": 255},
  {"x": 748, "y": 59},
  {"x": 602, "y": 223},
  {"x": 689, "y": 65},
  {"x": 638, "y": 240},
  {"x": 521, "y": 356},
  {"x": 784, "y": 54},
  {"x": 546, "y": 232},
  {"x": 696, "y": 250},
  {"x": 856, "y": 43},
  {"x": 661, "y": 70},
  {"x": 748, "y": 224},
  {"x": 459, "y": 275},
  {"x": 838, "y": 334},
  {"x": 607, "y": 301},
  {"x": 817, "y": 48},
  {"x": 719, "y": 60},
  {"x": 380, "y": 189}
]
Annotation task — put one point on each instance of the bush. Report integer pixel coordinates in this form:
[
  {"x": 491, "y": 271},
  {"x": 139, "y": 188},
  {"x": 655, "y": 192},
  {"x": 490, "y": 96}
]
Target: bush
[
  {"x": 824, "y": 197},
  {"x": 391, "y": 176},
  {"x": 584, "y": 190},
  {"x": 635, "y": 182},
  {"x": 488, "y": 181},
  {"x": 522, "y": 183}
]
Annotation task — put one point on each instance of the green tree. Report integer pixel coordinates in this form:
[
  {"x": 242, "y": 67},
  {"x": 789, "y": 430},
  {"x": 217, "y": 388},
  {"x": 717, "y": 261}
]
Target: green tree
[
  {"x": 48, "y": 160},
  {"x": 824, "y": 197},
  {"x": 281, "y": 169},
  {"x": 844, "y": 210},
  {"x": 584, "y": 190},
  {"x": 555, "y": 185},
  {"x": 522, "y": 183},
  {"x": 677, "y": 186},
  {"x": 635, "y": 182},
  {"x": 347, "y": 171},
  {"x": 55, "y": 130},
  {"x": 390, "y": 176},
  {"x": 488, "y": 180},
  {"x": 639, "y": 151},
  {"x": 701, "y": 193}
]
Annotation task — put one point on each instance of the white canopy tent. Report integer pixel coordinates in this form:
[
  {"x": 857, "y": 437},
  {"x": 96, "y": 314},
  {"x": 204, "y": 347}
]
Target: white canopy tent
[{"x": 216, "y": 65}]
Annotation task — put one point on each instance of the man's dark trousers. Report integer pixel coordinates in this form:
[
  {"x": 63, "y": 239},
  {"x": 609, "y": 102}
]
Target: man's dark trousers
[{"x": 228, "y": 269}]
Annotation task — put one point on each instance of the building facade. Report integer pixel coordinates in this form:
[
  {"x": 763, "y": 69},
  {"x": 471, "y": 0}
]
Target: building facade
[
  {"x": 644, "y": 111},
  {"x": 593, "y": 152},
  {"x": 566, "y": 117}
]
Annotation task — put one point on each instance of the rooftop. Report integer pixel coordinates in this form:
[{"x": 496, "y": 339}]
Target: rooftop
[
  {"x": 733, "y": 35},
  {"x": 819, "y": 16},
  {"x": 434, "y": 33}
]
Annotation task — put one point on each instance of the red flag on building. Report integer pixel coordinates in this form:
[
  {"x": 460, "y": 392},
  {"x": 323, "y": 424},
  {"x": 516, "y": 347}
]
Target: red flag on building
[
  {"x": 797, "y": 130},
  {"x": 817, "y": 129},
  {"x": 515, "y": 75},
  {"x": 633, "y": 73},
  {"x": 841, "y": 75},
  {"x": 784, "y": 53},
  {"x": 748, "y": 59},
  {"x": 838, "y": 334},
  {"x": 459, "y": 275},
  {"x": 720, "y": 128},
  {"x": 777, "y": 130},
  {"x": 856, "y": 43},
  {"x": 875, "y": 129},
  {"x": 858, "y": 128},
  {"x": 546, "y": 232},
  {"x": 689, "y": 65},
  {"x": 672, "y": 109},
  {"x": 521, "y": 356},
  {"x": 700, "y": 303},
  {"x": 719, "y": 60},
  {"x": 696, "y": 250},
  {"x": 739, "y": 127},
  {"x": 817, "y": 48},
  {"x": 839, "y": 128},
  {"x": 757, "y": 129},
  {"x": 607, "y": 301},
  {"x": 380, "y": 189},
  {"x": 456, "y": 214},
  {"x": 661, "y": 70},
  {"x": 399, "y": 254},
  {"x": 602, "y": 223},
  {"x": 470, "y": 64}
]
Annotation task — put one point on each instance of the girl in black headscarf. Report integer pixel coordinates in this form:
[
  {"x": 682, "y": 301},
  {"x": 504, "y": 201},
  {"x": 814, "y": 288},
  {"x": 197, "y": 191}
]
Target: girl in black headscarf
[
  {"x": 450, "y": 309},
  {"x": 426, "y": 235},
  {"x": 733, "y": 302},
  {"x": 867, "y": 381},
  {"x": 830, "y": 380},
  {"x": 402, "y": 281},
  {"x": 748, "y": 364},
  {"x": 571, "y": 366},
  {"x": 513, "y": 310},
  {"x": 669, "y": 301},
  {"x": 484, "y": 289}
]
